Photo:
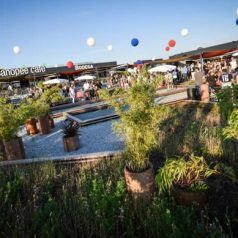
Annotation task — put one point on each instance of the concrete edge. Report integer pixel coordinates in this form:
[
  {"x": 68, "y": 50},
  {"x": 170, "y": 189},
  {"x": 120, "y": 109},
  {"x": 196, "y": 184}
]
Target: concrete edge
[{"x": 89, "y": 157}]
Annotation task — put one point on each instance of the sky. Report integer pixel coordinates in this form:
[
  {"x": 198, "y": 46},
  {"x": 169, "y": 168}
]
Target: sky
[{"x": 55, "y": 31}]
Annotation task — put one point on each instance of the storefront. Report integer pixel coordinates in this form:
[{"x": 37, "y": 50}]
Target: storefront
[{"x": 27, "y": 76}]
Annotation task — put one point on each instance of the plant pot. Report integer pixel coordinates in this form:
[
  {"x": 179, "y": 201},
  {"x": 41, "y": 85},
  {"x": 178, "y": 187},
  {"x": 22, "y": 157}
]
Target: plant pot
[
  {"x": 140, "y": 185},
  {"x": 44, "y": 124},
  {"x": 205, "y": 93},
  {"x": 191, "y": 93},
  {"x": 184, "y": 197},
  {"x": 14, "y": 149},
  {"x": 31, "y": 127},
  {"x": 2, "y": 151},
  {"x": 71, "y": 143},
  {"x": 51, "y": 122}
]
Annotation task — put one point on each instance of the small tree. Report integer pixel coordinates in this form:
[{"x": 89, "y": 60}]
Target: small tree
[{"x": 139, "y": 121}]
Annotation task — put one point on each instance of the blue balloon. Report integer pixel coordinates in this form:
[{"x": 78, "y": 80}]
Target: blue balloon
[
  {"x": 138, "y": 62},
  {"x": 134, "y": 42},
  {"x": 237, "y": 21}
]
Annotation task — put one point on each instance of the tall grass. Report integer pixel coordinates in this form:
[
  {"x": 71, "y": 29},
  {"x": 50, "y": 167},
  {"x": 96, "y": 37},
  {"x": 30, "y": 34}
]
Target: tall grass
[
  {"x": 194, "y": 128},
  {"x": 70, "y": 200},
  {"x": 48, "y": 200}
]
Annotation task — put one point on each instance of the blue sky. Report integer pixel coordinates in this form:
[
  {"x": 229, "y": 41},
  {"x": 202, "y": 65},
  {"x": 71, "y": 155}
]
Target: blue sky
[{"x": 55, "y": 31}]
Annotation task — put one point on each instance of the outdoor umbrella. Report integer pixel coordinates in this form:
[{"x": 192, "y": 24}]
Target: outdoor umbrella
[
  {"x": 162, "y": 68},
  {"x": 130, "y": 70},
  {"x": 85, "y": 77},
  {"x": 235, "y": 54},
  {"x": 56, "y": 81}
]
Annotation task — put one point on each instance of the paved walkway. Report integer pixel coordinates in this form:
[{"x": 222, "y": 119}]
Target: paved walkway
[
  {"x": 168, "y": 95},
  {"x": 98, "y": 138}
]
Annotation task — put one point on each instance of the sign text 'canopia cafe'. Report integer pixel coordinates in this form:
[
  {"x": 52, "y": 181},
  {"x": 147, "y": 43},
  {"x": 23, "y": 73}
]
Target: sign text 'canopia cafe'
[{"x": 22, "y": 71}]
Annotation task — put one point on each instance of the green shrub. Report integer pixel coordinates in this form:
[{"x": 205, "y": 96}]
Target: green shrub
[
  {"x": 10, "y": 120},
  {"x": 139, "y": 124},
  {"x": 52, "y": 96},
  {"x": 189, "y": 173}
]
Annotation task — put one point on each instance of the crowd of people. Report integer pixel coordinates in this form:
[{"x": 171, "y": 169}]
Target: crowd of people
[
  {"x": 89, "y": 90},
  {"x": 215, "y": 73}
]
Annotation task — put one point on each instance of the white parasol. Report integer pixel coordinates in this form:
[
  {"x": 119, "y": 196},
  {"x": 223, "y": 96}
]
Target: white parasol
[
  {"x": 85, "y": 77},
  {"x": 56, "y": 81}
]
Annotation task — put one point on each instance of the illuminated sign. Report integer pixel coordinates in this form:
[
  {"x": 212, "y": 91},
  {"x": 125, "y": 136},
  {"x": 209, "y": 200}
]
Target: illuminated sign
[
  {"x": 22, "y": 71},
  {"x": 85, "y": 66}
]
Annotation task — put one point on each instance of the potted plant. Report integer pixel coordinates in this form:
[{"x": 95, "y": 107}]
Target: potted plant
[
  {"x": 139, "y": 127},
  {"x": 51, "y": 120},
  {"x": 29, "y": 112},
  {"x": 42, "y": 110},
  {"x": 71, "y": 135},
  {"x": 186, "y": 178},
  {"x": 10, "y": 120}
]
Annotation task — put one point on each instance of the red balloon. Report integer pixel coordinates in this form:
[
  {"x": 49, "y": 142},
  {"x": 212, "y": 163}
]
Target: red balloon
[
  {"x": 70, "y": 64},
  {"x": 172, "y": 43},
  {"x": 167, "y": 48}
]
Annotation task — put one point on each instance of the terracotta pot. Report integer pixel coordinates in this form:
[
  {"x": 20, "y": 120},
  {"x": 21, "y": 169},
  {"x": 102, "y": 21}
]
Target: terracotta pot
[
  {"x": 31, "y": 127},
  {"x": 14, "y": 149},
  {"x": 44, "y": 124},
  {"x": 204, "y": 92},
  {"x": 51, "y": 122},
  {"x": 71, "y": 143},
  {"x": 191, "y": 93},
  {"x": 140, "y": 185},
  {"x": 2, "y": 151},
  {"x": 184, "y": 197}
]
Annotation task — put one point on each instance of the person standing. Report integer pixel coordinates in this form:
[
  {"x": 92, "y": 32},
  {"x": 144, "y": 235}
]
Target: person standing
[
  {"x": 72, "y": 93},
  {"x": 233, "y": 64},
  {"x": 198, "y": 76},
  {"x": 175, "y": 78},
  {"x": 169, "y": 80},
  {"x": 184, "y": 72}
]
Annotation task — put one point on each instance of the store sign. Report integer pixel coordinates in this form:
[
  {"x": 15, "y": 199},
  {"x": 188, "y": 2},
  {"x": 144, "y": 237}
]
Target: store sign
[
  {"x": 85, "y": 66},
  {"x": 22, "y": 71}
]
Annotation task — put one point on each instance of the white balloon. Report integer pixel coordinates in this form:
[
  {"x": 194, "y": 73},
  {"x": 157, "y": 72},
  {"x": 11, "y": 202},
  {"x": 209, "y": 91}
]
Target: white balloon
[
  {"x": 237, "y": 12},
  {"x": 109, "y": 47},
  {"x": 16, "y": 49},
  {"x": 184, "y": 32},
  {"x": 91, "y": 41}
]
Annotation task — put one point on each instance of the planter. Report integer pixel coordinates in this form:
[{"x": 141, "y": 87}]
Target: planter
[
  {"x": 51, "y": 122},
  {"x": 71, "y": 143},
  {"x": 14, "y": 149},
  {"x": 2, "y": 151},
  {"x": 31, "y": 127},
  {"x": 191, "y": 93},
  {"x": 184, "y": 197},
  {"x": 44, "y": 124},
  {"x": 140, "y": 185},
  {"x": 205, "y": 93}
]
